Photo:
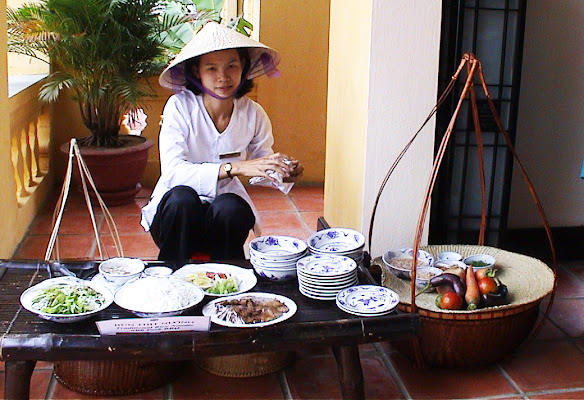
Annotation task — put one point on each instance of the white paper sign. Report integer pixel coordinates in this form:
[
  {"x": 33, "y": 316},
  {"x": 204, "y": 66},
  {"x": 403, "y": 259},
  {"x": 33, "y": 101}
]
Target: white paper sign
[{"x": 153, "y": 325}]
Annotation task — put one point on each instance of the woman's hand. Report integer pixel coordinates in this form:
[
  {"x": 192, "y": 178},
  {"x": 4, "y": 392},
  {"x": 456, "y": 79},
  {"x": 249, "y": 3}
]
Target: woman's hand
[{"x": 261, "y": 166}]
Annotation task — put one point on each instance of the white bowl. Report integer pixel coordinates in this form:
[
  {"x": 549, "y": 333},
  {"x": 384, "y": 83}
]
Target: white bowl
[
  {"x": 276, "y": 274},
  {"x": 336, "y": 240},
  {"x": 272, "y": 264},
  {"x": 29, "y": 294},
  {"x": 158, "y": 271},
  {"x": 424, "y": 274},
  {"x": 449, "y": 255},
  {"x": 155, "y": 296},
  {"x": 445, "y": 264},
  {"x": 274, "y": 248},
  {"x": 399, "y": 261},
  {"x": 119, "y": 270},
  {"x": 485, "y": 261}
]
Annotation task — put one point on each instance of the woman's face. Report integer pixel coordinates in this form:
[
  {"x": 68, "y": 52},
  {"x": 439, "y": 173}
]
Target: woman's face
[{"x": 219, "y": 72}]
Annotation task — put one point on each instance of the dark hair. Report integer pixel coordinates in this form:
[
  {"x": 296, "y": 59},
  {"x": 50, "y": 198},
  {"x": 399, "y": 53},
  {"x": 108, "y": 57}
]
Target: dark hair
[{"x": 245, "y": 86}]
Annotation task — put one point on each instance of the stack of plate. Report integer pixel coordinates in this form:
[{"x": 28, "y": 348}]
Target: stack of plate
[
  {"x": 322, "y": 277},
  {"x": 275, "y": 257},
  {"x": 367, "y": 300},
  {"x": 339, "y": 242}
]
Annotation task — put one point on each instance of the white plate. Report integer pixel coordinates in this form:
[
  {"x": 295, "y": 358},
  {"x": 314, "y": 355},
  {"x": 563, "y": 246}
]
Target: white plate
[
  {"x": 368, "y": 299},
  {"x": 318, "y": 266},
  {"x": 316, "y": 297},
  {"x": 324, "y": 292},
  {"x": 327, "y": 279},
  {"x": 210, "y": 311},
  {"x": 246, "y": 277},
  {"x": 327, "y": 283},
  {"x": 27, "y": 296},
  {"x": 336, "y": 240}
]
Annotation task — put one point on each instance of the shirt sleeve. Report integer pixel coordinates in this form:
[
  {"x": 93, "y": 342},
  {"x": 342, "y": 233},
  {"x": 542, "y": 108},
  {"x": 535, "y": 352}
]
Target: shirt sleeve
[
  {"x": 263, "y": 139},
  {"x": 176, "y": 166}
]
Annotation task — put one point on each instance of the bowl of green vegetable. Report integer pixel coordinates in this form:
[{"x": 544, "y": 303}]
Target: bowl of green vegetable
[
  {"x": 479, "y": 261},
  {"x": 66, "y": 299}
]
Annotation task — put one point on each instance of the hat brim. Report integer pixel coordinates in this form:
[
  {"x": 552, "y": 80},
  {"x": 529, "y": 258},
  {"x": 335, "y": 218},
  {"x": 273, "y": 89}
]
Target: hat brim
[{"x": 214, "y": 37}]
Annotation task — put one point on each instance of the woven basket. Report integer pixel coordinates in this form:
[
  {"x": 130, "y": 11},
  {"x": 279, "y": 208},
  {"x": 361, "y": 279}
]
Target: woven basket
[
  {"x": 452, "y": 339},
  {"x": 115, "y": 378},
  {"x": 246, "y": 365}
]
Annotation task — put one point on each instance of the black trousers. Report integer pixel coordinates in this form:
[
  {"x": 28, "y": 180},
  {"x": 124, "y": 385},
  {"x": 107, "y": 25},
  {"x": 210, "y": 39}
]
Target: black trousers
[{"x": 183, "y": 225}]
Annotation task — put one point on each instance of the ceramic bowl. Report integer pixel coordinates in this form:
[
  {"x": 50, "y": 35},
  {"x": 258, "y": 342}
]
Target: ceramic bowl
[
  {"x": 120, "y": 270},
  {"x": 399, "y": 261},
  {"x": 276, "y": 274},
  {"x": 445, "y": 264},
  {"x": 336, "y": 240},
  {"x": 288, "y": 264},
  {"x": 479, "y": 261},
  {"x": 158, "y": 271},
  {"x": 449, "y": 255},
  {"x": 277, "y": 248},
  {"x": 424, "y": 274},
  {"x": 26, "y": 299}
]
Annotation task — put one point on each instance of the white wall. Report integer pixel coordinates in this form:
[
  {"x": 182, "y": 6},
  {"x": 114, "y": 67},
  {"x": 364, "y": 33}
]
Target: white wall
[
  {"x": 405, "y": 45},
  {"x": 383, "y": 69},
  {"x": 550, "y": 130}
]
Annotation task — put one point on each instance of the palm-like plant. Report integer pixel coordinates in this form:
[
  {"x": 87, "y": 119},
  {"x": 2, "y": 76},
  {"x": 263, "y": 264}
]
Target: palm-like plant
[{"x": 102, "y": 50}]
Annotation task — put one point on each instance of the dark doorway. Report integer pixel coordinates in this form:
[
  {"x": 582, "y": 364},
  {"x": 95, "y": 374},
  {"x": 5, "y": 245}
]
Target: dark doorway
[{"x": 493, "y": 30}]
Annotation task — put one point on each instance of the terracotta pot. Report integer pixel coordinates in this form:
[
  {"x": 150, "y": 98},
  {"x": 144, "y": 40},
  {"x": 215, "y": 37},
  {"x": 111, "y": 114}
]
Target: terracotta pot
[{"x": 115, "y": 171}]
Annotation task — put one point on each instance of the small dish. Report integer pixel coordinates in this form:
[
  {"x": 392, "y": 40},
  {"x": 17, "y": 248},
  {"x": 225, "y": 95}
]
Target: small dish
[
  {"x": 445, "y": 264},
  {"x": 424, "y": 274},
  {"x": 479, "y": 261},
  {"x": 399, "y": 261},
  {"x": 450, "y": 255},
  {"x": 119, "y": 270},
  {"x": 158, "y": 271}
]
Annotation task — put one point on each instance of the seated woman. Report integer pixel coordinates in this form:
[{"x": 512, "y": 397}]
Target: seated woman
[{"x": 210, "y": 135}]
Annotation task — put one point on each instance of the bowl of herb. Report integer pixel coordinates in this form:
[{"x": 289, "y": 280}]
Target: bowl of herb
[{"x": 479, "y": 261}]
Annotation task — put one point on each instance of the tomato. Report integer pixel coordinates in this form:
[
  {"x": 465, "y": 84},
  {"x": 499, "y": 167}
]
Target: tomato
[
  {"x": 449, "y": 301},
  {"x": 487, "y": 285},
  {"x": 483, "y": 272}
]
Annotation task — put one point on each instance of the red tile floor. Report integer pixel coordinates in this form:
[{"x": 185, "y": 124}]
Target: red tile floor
[{"x": 551, "y": 367}]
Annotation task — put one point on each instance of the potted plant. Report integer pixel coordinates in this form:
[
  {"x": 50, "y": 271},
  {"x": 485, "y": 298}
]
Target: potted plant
[{"x": 101, "y": 52}]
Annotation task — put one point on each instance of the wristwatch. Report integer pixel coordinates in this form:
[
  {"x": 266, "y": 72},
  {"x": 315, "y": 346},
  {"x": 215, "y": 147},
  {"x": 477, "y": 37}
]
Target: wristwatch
[{"x": 227, "y": 168}]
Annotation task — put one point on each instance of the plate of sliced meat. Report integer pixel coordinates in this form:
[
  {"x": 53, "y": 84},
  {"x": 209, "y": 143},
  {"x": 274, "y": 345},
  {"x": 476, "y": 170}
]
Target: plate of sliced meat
[{"x": 250, "y": 310}]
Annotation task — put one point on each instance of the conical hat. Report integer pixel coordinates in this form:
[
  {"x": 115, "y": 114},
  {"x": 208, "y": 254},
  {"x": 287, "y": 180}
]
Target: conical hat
[{"x": 212, "y": 37}]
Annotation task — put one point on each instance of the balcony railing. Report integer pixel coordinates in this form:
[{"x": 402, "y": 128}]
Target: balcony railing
[{"x": 29, "y": 141}]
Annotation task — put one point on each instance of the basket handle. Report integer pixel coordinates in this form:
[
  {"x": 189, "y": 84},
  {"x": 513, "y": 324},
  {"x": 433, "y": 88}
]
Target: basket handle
[
  {"x": 52, "y": 247},
  {"x": 473, "y": 67}
]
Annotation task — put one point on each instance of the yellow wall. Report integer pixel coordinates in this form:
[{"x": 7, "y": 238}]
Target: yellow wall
[
  {"x": 347, "y": 113},
  {"x": 296, "y": 101}
]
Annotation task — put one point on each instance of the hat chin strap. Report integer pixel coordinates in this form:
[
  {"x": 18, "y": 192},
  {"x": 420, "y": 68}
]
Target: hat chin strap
[{"x": 207, "y": 91}]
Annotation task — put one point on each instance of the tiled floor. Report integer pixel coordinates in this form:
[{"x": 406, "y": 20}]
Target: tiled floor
[{"x": 551, "y": 367}]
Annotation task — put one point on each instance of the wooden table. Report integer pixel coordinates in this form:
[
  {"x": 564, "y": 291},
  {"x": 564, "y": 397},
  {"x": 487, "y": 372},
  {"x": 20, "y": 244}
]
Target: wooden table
[{"x": 27, "y": 339}]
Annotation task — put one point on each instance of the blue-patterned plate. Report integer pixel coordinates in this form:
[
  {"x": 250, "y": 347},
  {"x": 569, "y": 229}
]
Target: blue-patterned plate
[
  {"x": 368, "y": 300},
  {"x": 326, "y": 266}
]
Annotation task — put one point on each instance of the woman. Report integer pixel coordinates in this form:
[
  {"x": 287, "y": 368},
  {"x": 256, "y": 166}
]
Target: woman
[{"x": 210, "y": 135}]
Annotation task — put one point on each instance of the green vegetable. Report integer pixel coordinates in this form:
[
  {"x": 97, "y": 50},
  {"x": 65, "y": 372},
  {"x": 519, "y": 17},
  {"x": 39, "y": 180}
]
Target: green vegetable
[
  {"x": 478, "y": 263},
  {"x": 224, "y": 286},
  {"x": 67, "y": 299}
]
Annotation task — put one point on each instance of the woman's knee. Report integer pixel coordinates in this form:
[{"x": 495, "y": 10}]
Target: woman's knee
[{"x": 233, "y": 207}]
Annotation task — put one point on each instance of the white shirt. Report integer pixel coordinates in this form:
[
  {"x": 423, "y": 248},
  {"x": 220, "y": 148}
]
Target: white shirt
[{"x": 190, "y": 148}]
